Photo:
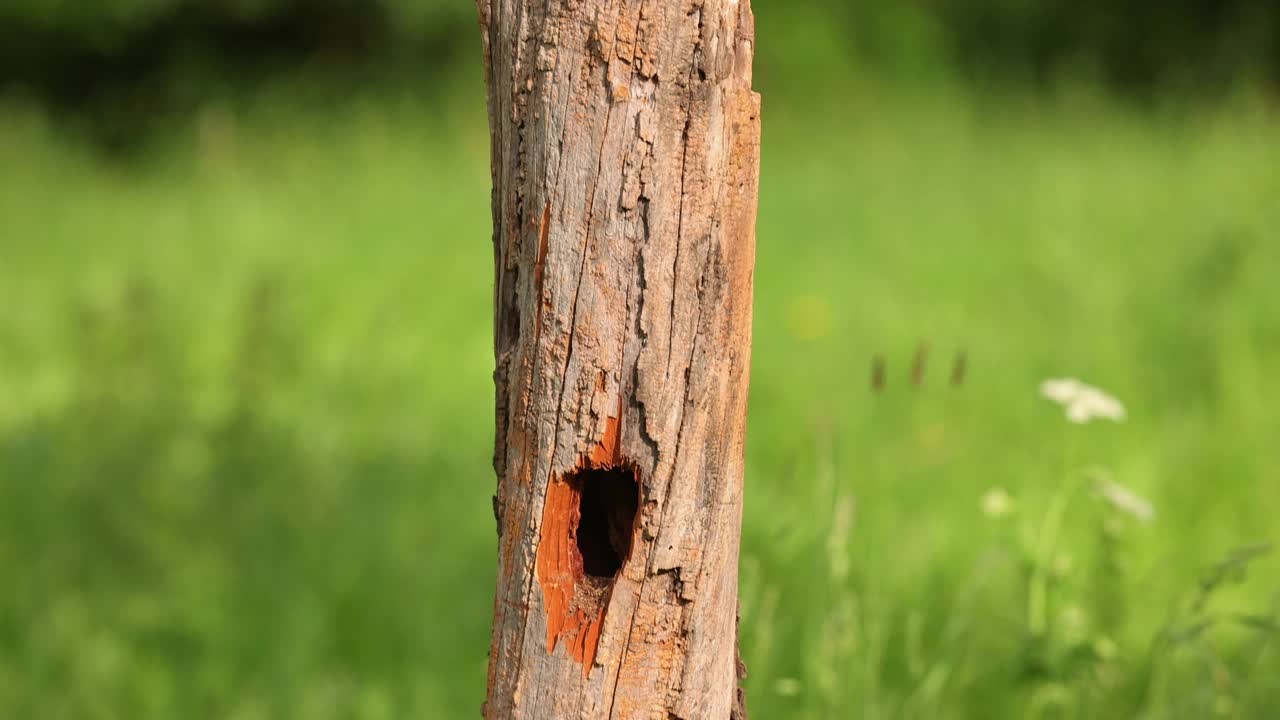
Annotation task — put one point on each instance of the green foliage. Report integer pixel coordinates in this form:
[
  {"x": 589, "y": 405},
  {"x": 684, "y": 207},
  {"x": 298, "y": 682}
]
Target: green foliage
[
  {"x": 246, "y": 412},
  {"x": 1198, "y": 43},
  {"x": 121, "y": 22}
]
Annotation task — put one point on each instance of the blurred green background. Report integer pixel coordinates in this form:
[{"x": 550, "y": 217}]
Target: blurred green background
[{"x": 245, "y": 356}]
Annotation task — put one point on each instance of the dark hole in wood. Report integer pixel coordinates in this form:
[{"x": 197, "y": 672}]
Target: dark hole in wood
[{"x": 610, "y": 499}]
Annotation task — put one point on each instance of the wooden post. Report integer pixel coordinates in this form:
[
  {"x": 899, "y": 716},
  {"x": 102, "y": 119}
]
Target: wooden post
[{"x": 625, "y": 146}]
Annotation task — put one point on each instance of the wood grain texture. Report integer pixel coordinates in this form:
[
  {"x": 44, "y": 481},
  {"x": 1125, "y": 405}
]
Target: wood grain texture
[{"x": 625, "y": 148}]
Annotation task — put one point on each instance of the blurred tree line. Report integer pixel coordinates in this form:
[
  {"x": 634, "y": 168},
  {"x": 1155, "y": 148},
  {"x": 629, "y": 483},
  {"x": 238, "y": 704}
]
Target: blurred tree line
[{"x": 73, "y": 51}]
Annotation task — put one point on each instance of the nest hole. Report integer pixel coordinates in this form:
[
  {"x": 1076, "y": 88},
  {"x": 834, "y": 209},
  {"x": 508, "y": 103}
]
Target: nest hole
[{"x": 609, "y": 499}]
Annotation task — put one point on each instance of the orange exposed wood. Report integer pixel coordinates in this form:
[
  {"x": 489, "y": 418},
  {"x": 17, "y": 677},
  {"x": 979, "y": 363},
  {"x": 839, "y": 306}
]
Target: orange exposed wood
[
  {"x": 574, "y": 613},
  {"x": 575, "y": 606},
  {"x": 607, "y": 451},
  {"x": 556, "y": 553}
]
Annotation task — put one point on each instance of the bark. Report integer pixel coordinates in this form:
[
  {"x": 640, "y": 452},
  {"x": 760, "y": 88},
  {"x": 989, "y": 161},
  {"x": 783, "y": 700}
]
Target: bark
[{"x": 625, "y": 146}]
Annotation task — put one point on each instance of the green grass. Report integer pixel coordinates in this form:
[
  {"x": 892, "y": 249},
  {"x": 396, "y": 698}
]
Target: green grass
[{"x": 246, "y": 410}]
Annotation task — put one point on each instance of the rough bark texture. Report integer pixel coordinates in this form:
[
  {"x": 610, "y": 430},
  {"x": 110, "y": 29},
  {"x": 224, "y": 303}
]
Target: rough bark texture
[{"x": 625, "y": 141}]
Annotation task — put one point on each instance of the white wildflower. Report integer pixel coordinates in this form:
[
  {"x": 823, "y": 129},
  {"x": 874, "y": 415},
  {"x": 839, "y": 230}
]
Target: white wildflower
[
  {"x": 996, "y": 503},
  {"x": 1126, "y": 500},
  {"x": 1061, "y": 390},
  {"x": 1093, "y": 403},
  {"x": 1083, "y": 402}
]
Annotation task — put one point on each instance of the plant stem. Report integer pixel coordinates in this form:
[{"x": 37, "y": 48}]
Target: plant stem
[{"x": 1038, "y": 588}]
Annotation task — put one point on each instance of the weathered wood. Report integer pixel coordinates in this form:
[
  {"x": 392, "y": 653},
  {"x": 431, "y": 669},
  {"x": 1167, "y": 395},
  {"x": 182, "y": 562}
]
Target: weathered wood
[{"x": 625, "y": 143}]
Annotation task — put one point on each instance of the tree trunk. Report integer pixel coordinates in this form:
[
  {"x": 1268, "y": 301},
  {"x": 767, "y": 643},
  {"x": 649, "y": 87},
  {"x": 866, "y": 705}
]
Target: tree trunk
[{"x": 625, "y": 142}]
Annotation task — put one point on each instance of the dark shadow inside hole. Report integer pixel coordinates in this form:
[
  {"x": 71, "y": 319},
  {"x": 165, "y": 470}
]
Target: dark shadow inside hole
[{"x": 609, "y": 501}]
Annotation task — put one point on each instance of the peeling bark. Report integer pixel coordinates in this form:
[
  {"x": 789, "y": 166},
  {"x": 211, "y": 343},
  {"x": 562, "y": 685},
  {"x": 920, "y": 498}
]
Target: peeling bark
[{"x": 625, "y": 147}]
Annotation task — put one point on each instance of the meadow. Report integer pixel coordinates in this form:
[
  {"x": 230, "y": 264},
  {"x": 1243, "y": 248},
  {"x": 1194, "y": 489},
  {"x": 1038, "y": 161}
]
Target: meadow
[{"x": 246, "y": 410}]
